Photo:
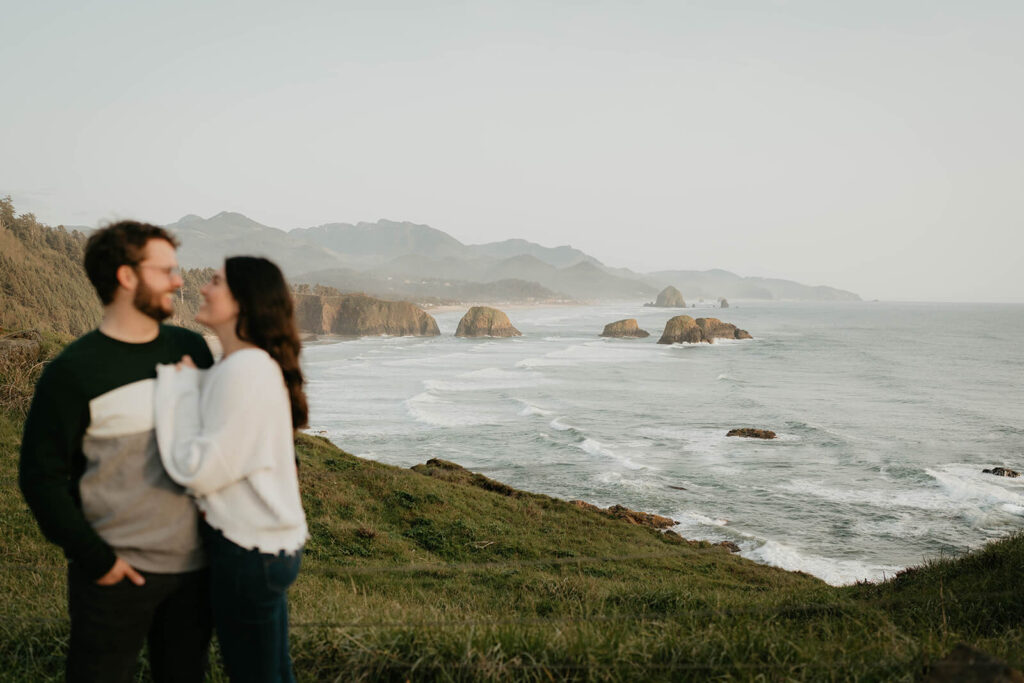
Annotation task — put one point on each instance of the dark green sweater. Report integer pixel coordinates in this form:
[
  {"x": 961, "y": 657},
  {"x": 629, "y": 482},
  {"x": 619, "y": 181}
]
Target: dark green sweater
[{"x": 90, "y": 470}]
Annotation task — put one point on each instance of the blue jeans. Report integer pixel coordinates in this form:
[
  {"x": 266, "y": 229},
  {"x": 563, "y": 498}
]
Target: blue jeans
[{"x": 248, "y": 590}]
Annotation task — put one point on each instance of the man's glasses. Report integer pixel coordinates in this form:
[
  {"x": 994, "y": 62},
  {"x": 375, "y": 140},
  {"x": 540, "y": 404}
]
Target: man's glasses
[{"x": 169, "y": 271}]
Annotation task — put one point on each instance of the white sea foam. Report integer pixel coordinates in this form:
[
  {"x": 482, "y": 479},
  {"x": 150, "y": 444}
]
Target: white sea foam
[
  {"x": 833, "y": 571},
  {"x": 428, "y": 408},
  {"x": 589, "y": 352},
  {"x": 530, "y": 410},
  {"x": 979, "y": 496},
  {"x": 634, "y": 484},
  {"x": 885, "y": 498},
  {"x": 428, "y": 361},
  {"x": 594, "y": 447},
  {"x": 488, "y": 379},
  {"x": 692, "y": 518},
  {"x": 560, "y": 426},
  {"x": 701, "y": 441}
]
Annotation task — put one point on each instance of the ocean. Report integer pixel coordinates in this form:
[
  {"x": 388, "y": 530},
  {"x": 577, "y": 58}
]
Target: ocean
[{"x": 886, "y": 414}]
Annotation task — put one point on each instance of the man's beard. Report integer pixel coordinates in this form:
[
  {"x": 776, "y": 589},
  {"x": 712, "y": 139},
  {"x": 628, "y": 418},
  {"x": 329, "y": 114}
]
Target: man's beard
[{"x": 149, "y": 303}]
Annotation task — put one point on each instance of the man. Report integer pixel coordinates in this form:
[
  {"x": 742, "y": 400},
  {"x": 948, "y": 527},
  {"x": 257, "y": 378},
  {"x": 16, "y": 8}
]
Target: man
[{"x": 91, "y": 473}]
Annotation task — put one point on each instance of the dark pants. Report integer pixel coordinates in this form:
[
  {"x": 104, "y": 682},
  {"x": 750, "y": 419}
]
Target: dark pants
[
  {"x": 250, "y": 609},
  {"x": 109, "y": 625}
]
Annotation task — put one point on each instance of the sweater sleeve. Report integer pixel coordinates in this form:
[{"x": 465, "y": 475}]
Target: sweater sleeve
[
  {"x": 51, "y": 442},
  {"x": 207, "y": 449}
]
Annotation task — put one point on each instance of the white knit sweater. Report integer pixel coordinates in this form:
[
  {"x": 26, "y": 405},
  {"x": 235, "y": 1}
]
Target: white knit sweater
[{"x": 226, "y": 435}]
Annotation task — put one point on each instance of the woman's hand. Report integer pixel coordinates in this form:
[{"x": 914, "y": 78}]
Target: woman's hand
[{"x": 185, "y": 362}]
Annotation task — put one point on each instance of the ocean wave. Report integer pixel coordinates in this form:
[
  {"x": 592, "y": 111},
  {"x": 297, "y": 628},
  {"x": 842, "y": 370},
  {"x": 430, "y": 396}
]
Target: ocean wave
[
  {"x": 530, "y": 410},
  {"x": 589, "y": 352},
  {"x": 832, "y": 571},
  {"x": 920, "y": 499},
  {"x": 425, "y": 361},
  {"x": 692, "y": 518},
  {"x": 966, "y": 484},
  {"x": 560, "y": 426},
  {"x": 594, "y": 447},
  {"x": 488, "y": 379},
  {"x": 641, "y": 485},
  {"x": 428, "y": 408}
]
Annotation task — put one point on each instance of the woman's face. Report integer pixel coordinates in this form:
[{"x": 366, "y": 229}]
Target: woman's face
[{"x": 218, "y": 306}]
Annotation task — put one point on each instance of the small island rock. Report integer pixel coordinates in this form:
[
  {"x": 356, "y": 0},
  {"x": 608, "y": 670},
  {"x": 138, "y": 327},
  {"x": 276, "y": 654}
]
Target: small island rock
[
  {"x": 1002, "y": 472},
  {"x": 483, "y": 321},
  {"x": 670, "y": 297},
  {"x": 723, "y": 303},
  {"x": 683, "y": 329},
  {"x": 752, "y": 433},
  {"x": 624, "y": 328}
]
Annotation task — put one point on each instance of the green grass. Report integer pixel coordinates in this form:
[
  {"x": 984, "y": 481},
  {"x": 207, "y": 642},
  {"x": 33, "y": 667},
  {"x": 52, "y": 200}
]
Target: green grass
[{"x": 436, "y": 573}]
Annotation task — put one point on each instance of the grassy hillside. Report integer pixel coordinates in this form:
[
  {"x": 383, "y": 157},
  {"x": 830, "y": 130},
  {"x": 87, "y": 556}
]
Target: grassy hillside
[
  {"x": 434, "y": 573},
  {"x": 42, "y": 283}
]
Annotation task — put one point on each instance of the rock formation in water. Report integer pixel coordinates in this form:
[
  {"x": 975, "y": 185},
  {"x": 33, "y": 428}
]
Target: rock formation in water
[
  {"x": 670, "y": 297},
  {"x": 1002, "y": 472},
  {"x": 723, "y": 303},
  {"x": 752, "y": 433},
  {"x": 483, "y": 321},
  {"x": 358, "y": 315},
  {"x": 624, "y": 328},
  {"x": 684, "y": 329}
]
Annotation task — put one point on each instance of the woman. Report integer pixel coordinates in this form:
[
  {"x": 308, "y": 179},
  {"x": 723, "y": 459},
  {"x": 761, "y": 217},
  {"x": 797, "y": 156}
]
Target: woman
[{"x": 228, "y": 438}]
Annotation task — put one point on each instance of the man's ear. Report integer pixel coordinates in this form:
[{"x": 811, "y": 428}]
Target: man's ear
[{"x": 127, "y": 277}]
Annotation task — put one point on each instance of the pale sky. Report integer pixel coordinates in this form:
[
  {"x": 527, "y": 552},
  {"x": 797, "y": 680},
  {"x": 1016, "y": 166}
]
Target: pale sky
[{"x": 872, "y": 146}]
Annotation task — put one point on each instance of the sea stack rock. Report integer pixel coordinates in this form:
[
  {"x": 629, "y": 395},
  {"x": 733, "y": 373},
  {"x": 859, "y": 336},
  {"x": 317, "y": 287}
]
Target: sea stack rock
[
  {"x": 752, "y": 433},
  {"x": 713, "y": 328},
  {"x": 358, "y": 315},
  {"x": 624, "y": 328},
  {"x": 670, "y": 297},
  {"x": 683, "y": 329},
  {"x": 483, "y": 321},
  {"x": 723, "y": 303}
]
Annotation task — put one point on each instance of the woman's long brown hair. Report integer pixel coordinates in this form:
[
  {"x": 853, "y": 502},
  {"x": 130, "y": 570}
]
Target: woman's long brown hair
[{"x": 266, "y": 318}]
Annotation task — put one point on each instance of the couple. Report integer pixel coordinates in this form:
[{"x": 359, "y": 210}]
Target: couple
[{"x": 174, "y": 495}]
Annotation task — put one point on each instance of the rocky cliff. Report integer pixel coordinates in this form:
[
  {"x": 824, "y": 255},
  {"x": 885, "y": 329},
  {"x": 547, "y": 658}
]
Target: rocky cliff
[
  {"x": 483, "y": 321},
  {"x": 359, "y": 315},
  {"x": 684, "y": 329}
]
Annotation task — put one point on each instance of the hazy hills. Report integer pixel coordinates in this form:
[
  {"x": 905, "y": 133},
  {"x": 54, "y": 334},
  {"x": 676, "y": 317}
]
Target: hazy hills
[{"x": 409, "y": 260}]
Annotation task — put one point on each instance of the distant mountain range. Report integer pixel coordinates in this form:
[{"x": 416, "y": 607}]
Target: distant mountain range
[{"x": 407, "y": 260}]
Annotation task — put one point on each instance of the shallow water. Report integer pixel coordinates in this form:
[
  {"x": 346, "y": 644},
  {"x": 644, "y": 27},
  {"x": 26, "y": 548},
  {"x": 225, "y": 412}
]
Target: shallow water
[{"x": 886, "y": 414}]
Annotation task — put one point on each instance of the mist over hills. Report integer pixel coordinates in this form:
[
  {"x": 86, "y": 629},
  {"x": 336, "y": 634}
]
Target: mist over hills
[{"x": 409, "y": 260}]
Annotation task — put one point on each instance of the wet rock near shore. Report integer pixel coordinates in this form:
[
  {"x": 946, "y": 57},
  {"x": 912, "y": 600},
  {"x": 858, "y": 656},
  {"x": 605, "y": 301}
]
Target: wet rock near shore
[
  {"x": 751, "y": 433},
  {"x": 625, "y": 328},
  {"x": 631, "y": 516},
  {"x": 1002, "y": 472},
  {"x": 484, "y": 321},
  {"x": 684, "y": 329}
]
